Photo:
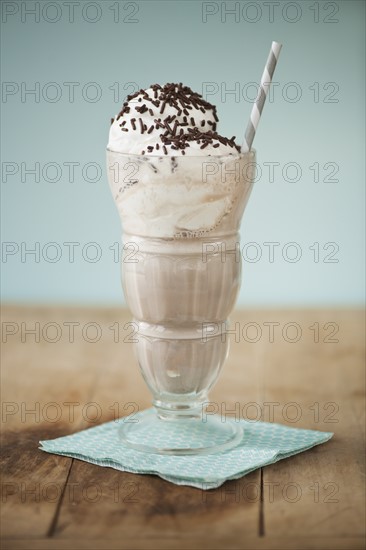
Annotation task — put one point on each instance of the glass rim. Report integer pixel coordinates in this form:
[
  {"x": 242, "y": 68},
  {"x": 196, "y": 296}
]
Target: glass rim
[{"x": 230, "y": 156}]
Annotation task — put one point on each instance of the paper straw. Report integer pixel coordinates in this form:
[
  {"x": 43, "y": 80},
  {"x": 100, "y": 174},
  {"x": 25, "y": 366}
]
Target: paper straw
[{"x": 257, "y": 109}]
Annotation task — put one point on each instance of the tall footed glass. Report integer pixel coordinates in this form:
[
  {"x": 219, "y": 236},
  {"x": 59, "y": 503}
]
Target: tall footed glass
[{"x": 181, "y": 273}]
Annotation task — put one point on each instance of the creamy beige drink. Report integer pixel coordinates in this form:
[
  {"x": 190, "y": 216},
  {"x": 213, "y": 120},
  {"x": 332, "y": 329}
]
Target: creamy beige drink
[{"x": 180, "y": 234}]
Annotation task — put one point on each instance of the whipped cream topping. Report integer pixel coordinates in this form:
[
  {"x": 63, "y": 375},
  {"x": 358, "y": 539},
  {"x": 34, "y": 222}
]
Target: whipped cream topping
[{"x": 168, "y": 120}]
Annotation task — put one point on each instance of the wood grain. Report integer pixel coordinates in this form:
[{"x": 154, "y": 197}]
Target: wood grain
[
  {"x": 322, "y": 491},
  {"x": 55, "y": 502}
]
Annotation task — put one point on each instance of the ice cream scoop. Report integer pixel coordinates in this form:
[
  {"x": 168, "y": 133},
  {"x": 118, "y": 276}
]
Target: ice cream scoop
[{"x": 168, "y": 120}]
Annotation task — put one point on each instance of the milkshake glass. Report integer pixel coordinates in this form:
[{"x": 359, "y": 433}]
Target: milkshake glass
[{"x": 181, "y": 274}]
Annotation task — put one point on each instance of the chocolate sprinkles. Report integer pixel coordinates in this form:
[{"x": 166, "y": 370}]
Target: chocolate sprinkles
[{"x": 176, "y": 132}]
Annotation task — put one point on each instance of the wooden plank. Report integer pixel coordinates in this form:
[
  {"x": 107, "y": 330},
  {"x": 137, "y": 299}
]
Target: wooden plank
[
  {"x": 31, "y": 483},
  {"x": 147, "y": 506},
  {"x": 47, "y": 388},
  {"x": 322, "y": 491},
  {"x": 205, "y": 543}
]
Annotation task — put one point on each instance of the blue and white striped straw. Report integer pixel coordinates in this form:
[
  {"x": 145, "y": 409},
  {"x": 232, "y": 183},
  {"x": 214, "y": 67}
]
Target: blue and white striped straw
[{"x": 257, "y": 109}]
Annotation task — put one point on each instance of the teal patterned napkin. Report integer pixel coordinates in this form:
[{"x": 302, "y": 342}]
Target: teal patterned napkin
[{"x": 263, "y": 443}]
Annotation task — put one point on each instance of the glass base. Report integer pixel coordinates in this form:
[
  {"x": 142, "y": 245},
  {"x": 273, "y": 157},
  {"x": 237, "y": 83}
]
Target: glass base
[{"x": 208, "y": 434}]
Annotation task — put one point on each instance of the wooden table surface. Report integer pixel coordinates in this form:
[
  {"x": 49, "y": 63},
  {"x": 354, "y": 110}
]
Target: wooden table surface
[{"x": 57, "y": 379}]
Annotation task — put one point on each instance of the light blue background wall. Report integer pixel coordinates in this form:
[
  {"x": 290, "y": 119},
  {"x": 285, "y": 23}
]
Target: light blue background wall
[{"x": 316, "y": 116}]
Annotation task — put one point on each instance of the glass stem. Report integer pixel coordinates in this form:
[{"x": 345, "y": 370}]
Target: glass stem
[{"x": 180, "y": 410}]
